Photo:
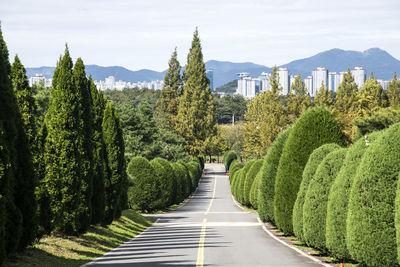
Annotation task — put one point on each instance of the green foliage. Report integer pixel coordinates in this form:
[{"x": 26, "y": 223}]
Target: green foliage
[
  {"x": 313, "y": 162},
  {"x": 316, "y": 200},
  {"x": 188, "y": 180},
  {"x": 254, "y": 191},
  {"x": 229, "y": 105},
  {"x": 144, "y": 189},
  {"x": 298, "y": 100},
  {"x": 99, "y": 157},
  {"x": 371, "y": 233},
  {"x": 248, "y": 182},
  {"x": 196, "y": 111},
  {"x": 2, "y": 227},
  {"x": 166, "y": 182},
  {"x": 229, "y": 156},
  {"x": 266, "y": 190},
  {"x": 339, "y": 198},
  {"x": 170, "y": 176},
  {"x": 235, "y": 166},
  {"x": 235, "y": 181},
  {"x": 242, "y": 178},
  {"x": 315, "y": 128},
  {"x": 229, "y": 88},
  {"x": 323, "y": 97},
  {"x": 180, "y": 183},
  {"x": 393, "y": 91},
  {"x": 116, "y": 181},
  {"x": 379, "y": 120},
  {"x": 4, "y": 166}
]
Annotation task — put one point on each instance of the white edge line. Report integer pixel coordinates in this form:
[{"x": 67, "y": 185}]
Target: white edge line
[
  {"x": 110, "y": 251},
  {"x": 281, "y": 241}
]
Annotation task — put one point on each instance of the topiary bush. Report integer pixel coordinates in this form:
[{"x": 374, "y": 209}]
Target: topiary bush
[
  {"x": 266, "y": 189},
  {"x": 371, "y": 234},
  {"x": 254, "y": 191},
  {"x": 316, "y": 127},
  {"x": 144, "y": 189},
  {"x": 167, "y": 181},
  {"x": 316, "y": 200},
  {"x": 193, "y": 173},
  {"x": 339, "y": 198},
  {"x": 228, "y": 158},
  {"x": 235, "y": 179},
  {"x": 309, "y": 170},
  {"x": 248, "y": 182},
  {"x": 242, "y": 179},
  {"x": 180, "y": 183},
  {"x": 188, "y": 180},
  {"x": 235, "y": 166}
]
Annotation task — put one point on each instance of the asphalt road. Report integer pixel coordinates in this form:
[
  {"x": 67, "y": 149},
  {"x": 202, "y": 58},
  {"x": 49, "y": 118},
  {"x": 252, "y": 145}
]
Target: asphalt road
[{"x": 208, "y": 230}]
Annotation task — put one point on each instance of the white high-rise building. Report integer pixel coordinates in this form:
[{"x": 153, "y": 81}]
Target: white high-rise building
[
  {"x": 292, "y": 79},
  {"x": 264, "y": 82},
  {"x": 247, "y": 86},
  {"x": 283, "y": 74},
  {"x": 308, "y": 82},
  {"x": 359, "y": 76},
  {"x": 37, "y": 79},
  {"x": 334, "y": 81},
  {"x": 320, "y": 76}
]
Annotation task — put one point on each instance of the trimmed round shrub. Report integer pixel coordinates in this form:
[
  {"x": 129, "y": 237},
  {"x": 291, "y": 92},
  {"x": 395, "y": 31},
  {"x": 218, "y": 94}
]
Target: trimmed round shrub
[
  {"x": 228, "y": 158},
  {"x": 200, "y": 161},
  {"x": 316, "y": 127},
  {"x": 371, "y": 234},
  {"x": 167, "y": 181},
  {"x": 254, "y": 191},
  {"x": 266, "y": 189},
  {"x": 235, "y": 181},
  {"x": 316, "y": 201},
  {"x": 144, "y": 189},
  {"x": 242, "y": 179},
  {"x": 193, "y": 172},
  {"x": 188, "y": 180},
  {"x": 180, "y": 183},
  {"x": 309, "y": 170},
  {"x": 235, "y": 166},
  {"x": 339, "y": 198},
  {"x": 248, "y": 182}
]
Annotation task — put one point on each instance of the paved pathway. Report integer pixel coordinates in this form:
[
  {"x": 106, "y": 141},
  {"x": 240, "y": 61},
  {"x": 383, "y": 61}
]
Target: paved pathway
[{"x": 209, "y": 230}]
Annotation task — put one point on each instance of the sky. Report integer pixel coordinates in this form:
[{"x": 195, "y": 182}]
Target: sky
[{"x": 143, "y": 34}]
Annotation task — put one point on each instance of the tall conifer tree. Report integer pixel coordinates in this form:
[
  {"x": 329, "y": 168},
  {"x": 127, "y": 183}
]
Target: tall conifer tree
[
  {"x": 116, "y": 180},
  {"x": 298, "y": 99},
  {"x": 323, "y": 97},
  {"x": 9, "y": 117},
  {"x": 393, "y": 91},
  {"x": 4, "y": 166},
  {"x": 63, "y": 147},
  {"x": 86, "y": 131},
  {"x": 25, "y": 182},
  {"x": 99, "y": 164},
  {"x": 172, "y": 89},
  {"x": 196, "y": 112}
]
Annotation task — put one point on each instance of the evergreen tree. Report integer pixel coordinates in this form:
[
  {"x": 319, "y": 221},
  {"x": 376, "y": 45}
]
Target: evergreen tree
[
  {"x": 86, "y": 132},
  {"x": 298, "y": 100},
  {"x": 274, "y": 81},
  {"x": 99, "y": 164},
  {"x": 196, "y": 111},
  {"x": 393, "y": 91},
  {"x": 64, "y": 145},
  {"x": 323, "y": 97},
  {"x": 4, "y": 166},
  {"x": 25, "y": 182},
  {"x": 116, "y": 180},
  {"x": 172, "y": 90},
  {"x": 346, "y": 103},
  {"x": 8, "y": 118},
  {"x": 371, "y": 98}
]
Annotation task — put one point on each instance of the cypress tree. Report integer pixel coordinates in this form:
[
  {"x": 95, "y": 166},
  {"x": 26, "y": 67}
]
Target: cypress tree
[
  {"x": 172, "y": 89},
  {"x": 99, "y": 164},
  {"x": 116, "y": 182},
  {"x": 323, "y": 97},
  {"x": 196, "y": 111},
  {"x": 4, "y": 166},
  {"x": 86, "y": 132},
  {"x": 8, "y": 118},
  {"x": 249, "y": 180},
  {"x": 64, "y": 145},
  {"x": 25, "y": 182}
]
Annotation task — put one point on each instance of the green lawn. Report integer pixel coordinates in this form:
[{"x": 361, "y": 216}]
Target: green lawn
[{"x": 75, "y": 251}]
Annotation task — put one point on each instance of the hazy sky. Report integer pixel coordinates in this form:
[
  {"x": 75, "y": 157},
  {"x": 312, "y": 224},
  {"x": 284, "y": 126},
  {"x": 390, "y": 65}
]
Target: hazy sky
[{"x": 142, "y": 34}]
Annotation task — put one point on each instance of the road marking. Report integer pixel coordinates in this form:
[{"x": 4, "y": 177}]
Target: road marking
[
  {"x": 212, "y": 199},
  {"x": 200, "y": 254},
  {"x": 209, "y": 224}
]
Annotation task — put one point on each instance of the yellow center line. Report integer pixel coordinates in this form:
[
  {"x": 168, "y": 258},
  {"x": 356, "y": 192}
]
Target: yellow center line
[
  {"x": 200, "y": 254},
  {"x": 213, "y": 196}
]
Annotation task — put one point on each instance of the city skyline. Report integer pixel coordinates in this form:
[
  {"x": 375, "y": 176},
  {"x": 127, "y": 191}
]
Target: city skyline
[{"x": 142, "y": 35}]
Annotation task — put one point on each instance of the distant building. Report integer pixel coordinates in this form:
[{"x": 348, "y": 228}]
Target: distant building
[
  {"x": 334, "y": 80},
  {"x": 384, "y": 84},
  {"x": 320, "y": 77},
  {"x": 210, "y": 76},
  {"x": 283, "y": 74},
  {"x": 308, "y": 82},
  {"x": 37, "y": 79},
  {"x": 264, "y": 82},
  {"x": 292, "y": 79},
  {"x": 247, "y": 86},
  {"x": 359, "y": 76}
]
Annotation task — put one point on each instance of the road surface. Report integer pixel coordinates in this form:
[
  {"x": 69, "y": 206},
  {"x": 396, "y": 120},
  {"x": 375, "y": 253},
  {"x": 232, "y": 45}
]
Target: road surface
[{"x": 208, "y": 230}]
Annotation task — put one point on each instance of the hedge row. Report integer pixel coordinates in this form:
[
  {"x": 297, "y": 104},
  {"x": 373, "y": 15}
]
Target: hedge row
[
  {"x": 229, "y": 156},
  {"x": 158, "y": 184}
]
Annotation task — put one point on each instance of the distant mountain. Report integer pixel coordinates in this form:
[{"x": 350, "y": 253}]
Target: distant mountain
[
  {"x": 375, "y": 60},
  {"x": 380, "y": 62},
  {"x": 100, "y": 73}
]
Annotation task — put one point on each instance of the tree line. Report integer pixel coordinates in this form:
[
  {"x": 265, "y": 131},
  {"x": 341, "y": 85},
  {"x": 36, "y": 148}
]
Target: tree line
[{"x": 64, "y": 170}]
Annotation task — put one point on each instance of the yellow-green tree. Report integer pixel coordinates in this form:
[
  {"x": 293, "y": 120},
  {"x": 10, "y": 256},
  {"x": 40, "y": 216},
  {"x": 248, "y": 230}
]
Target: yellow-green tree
[
  {"x": 298, "y": 100},
  {"x": 393, "y": 92},
  {"x": 214, "y": 144},
  {"x": 370, "y": 98},
  {"x": 323, "y": 97},
  {"x": 195, "y": 120}
]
